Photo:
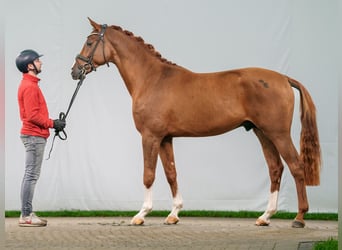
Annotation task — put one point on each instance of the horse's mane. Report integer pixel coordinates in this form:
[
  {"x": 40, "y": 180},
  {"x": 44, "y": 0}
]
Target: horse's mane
[{"x": 141, "y": 40}]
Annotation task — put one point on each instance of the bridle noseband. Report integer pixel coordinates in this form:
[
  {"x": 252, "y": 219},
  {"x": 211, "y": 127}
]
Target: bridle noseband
[{"x": 89, "y": 66}]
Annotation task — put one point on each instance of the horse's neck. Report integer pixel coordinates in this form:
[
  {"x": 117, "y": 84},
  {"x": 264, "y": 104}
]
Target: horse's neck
[{"x": 135, "y": 63}]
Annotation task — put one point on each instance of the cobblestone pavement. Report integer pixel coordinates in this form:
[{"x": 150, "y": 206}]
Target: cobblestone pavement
[{"x": 190, "y": 233}]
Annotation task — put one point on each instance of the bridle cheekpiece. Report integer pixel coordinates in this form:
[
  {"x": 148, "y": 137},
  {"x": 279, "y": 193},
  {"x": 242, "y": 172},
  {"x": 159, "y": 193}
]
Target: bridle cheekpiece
[{"x": 89, "y": 66}]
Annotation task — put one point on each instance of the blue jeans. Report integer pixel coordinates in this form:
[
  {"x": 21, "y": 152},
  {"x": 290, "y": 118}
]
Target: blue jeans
[{"x": 34, "y": 147}]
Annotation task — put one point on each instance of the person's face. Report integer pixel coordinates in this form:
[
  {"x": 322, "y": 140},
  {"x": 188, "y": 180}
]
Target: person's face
[{"x": 38, "y": 66}]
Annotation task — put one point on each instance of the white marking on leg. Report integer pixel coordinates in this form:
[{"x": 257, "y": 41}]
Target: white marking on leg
[
  {"x": 176, "y": 206},
  {"x": 271, "y": 207},
  {"x": 147, "y": 205}
]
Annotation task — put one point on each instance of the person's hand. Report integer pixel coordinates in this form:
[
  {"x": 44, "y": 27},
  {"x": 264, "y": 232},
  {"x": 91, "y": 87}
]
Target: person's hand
[{"x": 59, "y": 124}]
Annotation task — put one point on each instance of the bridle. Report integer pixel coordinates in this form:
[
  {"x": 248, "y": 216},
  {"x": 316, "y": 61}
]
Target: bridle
[
  {"x": 89, "y": 65},
  {"x": 84, "y": 69}
]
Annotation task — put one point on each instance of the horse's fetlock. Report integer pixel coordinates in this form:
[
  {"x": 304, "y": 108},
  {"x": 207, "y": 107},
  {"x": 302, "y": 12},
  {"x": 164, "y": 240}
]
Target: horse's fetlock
[
  {"x": 178, "y": 205},
  {"x": 272, "y": 211},
  {"x": 304, "y": 210},
  {"x": 147, "y": 209}
]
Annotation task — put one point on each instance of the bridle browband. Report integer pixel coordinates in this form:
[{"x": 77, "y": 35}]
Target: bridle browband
[{"x": 89, "y": 60}]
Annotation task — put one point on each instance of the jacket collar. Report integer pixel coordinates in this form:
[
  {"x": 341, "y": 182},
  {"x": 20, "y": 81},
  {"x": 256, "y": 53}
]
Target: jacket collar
[{"x": 27, "y": 76}]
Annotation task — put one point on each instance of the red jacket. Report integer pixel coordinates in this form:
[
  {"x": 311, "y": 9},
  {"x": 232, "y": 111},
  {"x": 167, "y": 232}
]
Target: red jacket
[{"x": 33, "y": 109}]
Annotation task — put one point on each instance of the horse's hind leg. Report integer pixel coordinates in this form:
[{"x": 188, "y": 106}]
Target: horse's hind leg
[
  {"x": 167, "y": 158},
  {"x": 289, "y": 153},
  {"x": 275, "y": 171}
]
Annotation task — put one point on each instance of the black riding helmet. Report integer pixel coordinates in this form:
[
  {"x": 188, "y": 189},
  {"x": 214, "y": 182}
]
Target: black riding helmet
[{"x": 25, "y": 58}]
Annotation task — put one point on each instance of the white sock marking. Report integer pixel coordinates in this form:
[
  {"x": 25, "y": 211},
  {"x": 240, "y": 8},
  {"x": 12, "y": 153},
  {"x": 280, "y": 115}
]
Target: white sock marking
[
  {"x": 177, "y": 205},
  {"x": 271, "y": 207},
  {"x": 147, "y": 205}
]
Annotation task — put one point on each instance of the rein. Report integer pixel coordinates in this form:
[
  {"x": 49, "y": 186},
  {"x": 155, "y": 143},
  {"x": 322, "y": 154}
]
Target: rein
[{"x": 62, "y": 116}]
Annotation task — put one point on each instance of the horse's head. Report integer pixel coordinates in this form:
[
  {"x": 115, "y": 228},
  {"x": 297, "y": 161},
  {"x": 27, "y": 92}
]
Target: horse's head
[{"x": 93, "y": 53}]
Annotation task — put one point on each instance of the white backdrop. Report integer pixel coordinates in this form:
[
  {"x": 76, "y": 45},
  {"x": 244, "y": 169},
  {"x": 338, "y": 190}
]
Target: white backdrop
[{"x": 100, "y": 165}]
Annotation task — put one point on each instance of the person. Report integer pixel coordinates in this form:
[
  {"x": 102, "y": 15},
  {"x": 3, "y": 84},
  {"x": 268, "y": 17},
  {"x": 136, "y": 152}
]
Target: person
[{"x": 34, "y": 131}]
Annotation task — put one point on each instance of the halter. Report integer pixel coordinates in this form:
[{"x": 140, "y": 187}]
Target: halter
[{"x": 89, "y": 60}]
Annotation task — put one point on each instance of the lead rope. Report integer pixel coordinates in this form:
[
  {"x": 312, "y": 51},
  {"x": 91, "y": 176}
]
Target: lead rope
[{"x": 63, "y": 116}]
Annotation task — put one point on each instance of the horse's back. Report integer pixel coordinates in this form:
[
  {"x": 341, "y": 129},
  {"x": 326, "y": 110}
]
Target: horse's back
[
  {"x": 257, "y": 95},
  {"x": 212, "y": 103}
]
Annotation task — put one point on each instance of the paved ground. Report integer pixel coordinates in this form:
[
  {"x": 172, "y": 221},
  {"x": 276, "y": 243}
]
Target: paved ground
[{"x": 189, "y": 233}]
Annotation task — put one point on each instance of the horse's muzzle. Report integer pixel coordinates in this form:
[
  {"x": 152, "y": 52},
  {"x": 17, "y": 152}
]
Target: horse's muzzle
[{"x": 76, "y": 72}]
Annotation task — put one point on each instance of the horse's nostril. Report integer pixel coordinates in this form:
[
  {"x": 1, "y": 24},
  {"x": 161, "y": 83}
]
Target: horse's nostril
[{"x": 75, "y": 75}]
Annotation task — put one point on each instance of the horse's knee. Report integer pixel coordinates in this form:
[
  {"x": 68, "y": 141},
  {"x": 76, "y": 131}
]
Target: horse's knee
[
  {"x": 149, "y": 179},
  {"x": 171, "y": 178}
]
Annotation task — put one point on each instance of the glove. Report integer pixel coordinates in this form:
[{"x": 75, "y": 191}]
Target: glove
[{"x": 59, "y": 124}]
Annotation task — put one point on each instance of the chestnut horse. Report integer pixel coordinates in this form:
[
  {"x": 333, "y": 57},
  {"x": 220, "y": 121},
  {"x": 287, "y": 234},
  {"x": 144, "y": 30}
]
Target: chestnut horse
[{"x": 171, "y": 101}]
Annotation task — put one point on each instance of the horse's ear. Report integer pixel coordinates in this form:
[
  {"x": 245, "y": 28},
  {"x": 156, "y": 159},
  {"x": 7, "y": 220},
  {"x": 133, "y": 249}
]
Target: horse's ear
[{"x": 95, "y": 25}]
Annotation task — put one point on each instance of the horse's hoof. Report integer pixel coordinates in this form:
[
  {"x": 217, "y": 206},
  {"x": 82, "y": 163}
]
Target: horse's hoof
[
  {"x": 260, "y": 222},
  {"x": 137, "y": 221},
  {"x": 298, "y": 224},
  {"x": 171, "y": 220}
]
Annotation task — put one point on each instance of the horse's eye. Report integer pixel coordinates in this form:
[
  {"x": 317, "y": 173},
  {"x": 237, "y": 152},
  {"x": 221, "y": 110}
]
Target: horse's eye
[{"x": 89, "y": 43}]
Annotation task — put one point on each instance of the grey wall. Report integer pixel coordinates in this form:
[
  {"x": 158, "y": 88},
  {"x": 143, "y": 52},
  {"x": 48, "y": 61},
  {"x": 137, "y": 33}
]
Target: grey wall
[{"x": 100, "y": 165}]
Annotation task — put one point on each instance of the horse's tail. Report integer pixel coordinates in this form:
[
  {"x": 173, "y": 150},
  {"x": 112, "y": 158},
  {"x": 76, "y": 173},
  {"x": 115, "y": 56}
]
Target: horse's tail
[{"x": 310, "y": 150}]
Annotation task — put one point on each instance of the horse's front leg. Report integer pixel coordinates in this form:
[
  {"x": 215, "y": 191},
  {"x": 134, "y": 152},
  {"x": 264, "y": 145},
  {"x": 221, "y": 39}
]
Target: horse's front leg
[
  {"x": 150, "y": 151},
  {"x": 167, "y": 158}
]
